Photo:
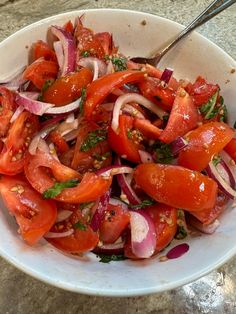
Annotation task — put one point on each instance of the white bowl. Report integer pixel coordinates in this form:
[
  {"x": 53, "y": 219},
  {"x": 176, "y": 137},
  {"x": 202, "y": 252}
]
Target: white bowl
[{"x": 194, "y": 56}]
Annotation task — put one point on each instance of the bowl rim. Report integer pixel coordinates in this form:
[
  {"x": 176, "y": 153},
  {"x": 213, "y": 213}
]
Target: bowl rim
[{"x": 114, "y": 292}]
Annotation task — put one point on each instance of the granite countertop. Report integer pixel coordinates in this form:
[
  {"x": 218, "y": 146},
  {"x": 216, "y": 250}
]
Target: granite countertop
[{"x": 215, "y": 293}]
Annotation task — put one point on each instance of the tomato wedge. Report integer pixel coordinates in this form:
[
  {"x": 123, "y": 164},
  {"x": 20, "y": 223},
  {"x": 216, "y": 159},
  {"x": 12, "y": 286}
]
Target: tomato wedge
[
  {"x": 183, "y": 117},
  {"x": 7, "y": 108},
  {"x": 59, "y": 142},
  {"x": 82, "y": 240},
  {"x": 34, "y": 215},
  {"x": 17, "y": 142},
  {"x": 147, "y": 128},
  {"x": 89, "y": 189},
  {"x": 166, "y": 183},
  {"x": 42, "y": 50},
  {"x": 121, "y": 143},
  {"x": 68, "y": 88},
  {"x": 105, "y": 39},
  {"x": 231, "y": 149},
  {"x": 203, "y": 143},
  {"x": 115, "y": 222},
  {"x": 40, "y": 71},
  {"x": 99, "y": 89}
]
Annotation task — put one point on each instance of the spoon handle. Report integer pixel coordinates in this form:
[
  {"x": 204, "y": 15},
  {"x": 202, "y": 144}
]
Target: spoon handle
[{"x": 213, "y": 9}]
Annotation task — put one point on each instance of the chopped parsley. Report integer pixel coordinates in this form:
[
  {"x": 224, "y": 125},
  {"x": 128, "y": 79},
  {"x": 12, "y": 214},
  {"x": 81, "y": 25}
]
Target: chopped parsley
[
  {"x": 164, "y": 153},
  {"x": 79, "y": 225},
  {"x": 210, "y": 110},
  {"x": 101, "y": 157},
  {"x": 82, "y": 99},
  {"x": 144, "y": 203},
  {"x": 58, "y": 187},
  {"x": 181, "y": 233},
  {"x": 92, "y": 139},
  {"x": 120, "y": 63},
  {"x": 85, "y": 53},
  {"x": 129, "y": 134},
  {"x": 46, "y": 85},
  {"x": 108, "y": 258},
  {"x": 216, "y": 160}
]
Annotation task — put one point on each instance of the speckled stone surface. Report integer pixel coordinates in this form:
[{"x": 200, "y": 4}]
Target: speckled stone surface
[{"x": 215, "y": 293}]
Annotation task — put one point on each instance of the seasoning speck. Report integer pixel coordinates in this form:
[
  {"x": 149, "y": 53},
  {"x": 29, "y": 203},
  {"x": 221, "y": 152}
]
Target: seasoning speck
[
  {"x": 144, "y": 23},
  {"x": 163, "y": 258},
  {"x": 232, "y": 71}
]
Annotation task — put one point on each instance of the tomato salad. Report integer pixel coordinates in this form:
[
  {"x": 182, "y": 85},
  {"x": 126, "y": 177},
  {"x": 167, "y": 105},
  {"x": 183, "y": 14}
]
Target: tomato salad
[{"x": 102, "y": 154}]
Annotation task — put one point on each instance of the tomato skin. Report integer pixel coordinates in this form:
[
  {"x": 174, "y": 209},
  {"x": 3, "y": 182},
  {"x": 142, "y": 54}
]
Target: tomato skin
[
  {"x": 80, "y": 241},
  {"x": 230, "y": 148},
  {"x": 68, "y": 88},
  {"x": 165, "y": 220},
  {"x": 58, "y": 140},
  {"x": 8, "y": 105},
  {"x": 203, "y": 143},
  {"x": 99, "y": 89},
  {"x": 201, "y": 91},
  {"x": 20, "y": 133},
  {"x": 42, "y": 49},
  {"x": 69, "y": 27},
  {"x": 40, "y": 71},
  {"x": 115, "y": 222},
  {"x": 147, "y": 128},
  {"x": 120, "y": 143},
  {"x": 165, "y": 184},
  {"x": 105, "y": 39},
  {"x": 35, "y": 216},
  {"x": 208, "y": 216},
  {"x": 183, "y": 117},
  {"x": 89, "y": 189}
]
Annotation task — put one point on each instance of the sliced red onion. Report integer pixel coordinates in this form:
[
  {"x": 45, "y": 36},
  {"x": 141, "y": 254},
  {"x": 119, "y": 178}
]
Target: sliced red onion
[
  {"x": 208, "y": 229},
  {"x": 63, "y": 215},
  {"x": 178, "y": 251},
  {"x": 31, "y": 95},
  {"x": 34, "y": 106},
  {"x": 133, "y": 97},
  {"x": 145, "y": 157},
  {"x": 113, "y": 170},
  {"x": 54, "y": 120},
  {"x": 166, "y": 75},
  {"x": 97, "y": 66},
  {"x": 43, "y": 146},
  {"x": 100, "y": 211},
  {"x": 131, "y": 88},
  {"x": 66, "y": 127},
  {"x": 117, "y": 202},
  {"x": 226, "y": 173},
  {"x": 110, "y": 249},
  {"x": 223, "y": 185},
  {"x": 71, "y": 135},
  {"x": 231, "y": 165},
  {"x": 110, "y": 68},
  {"x": 178, "y": 144},
  {"x": 143, "y": 234},
  {"x": 59, "y": 53},
  {"x": 40, "y": 135},
  {"x": 64, "y": 109},
  {"x": 133, "y": 111},
  {"x": 53, "y": 235},
  {"x": 69, "y": 49},
  {"x": 16, "y": 114}
]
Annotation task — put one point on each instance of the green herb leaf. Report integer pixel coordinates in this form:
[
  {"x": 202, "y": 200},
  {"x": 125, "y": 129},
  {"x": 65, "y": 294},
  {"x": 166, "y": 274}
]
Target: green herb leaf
[
  {"x": 120, "y": 63},
  {"x": 209, "y": 109},
  {"x": 181, "y": 233},
  {"x": 101, "y": 157},
  {"x": 85, "y": 53},
  {"x": 216, "y": 160},
  {"x": 129, "y": 134},
  {"x": 224, "y": 115},
  {"x": 92, "y": 139},
  {"x": 108, "y": 258},
  {"x": 58, "y": 187},
  {"x": 79, "y": 225},
  {"x": 82, "y": 99},
  {"x": 163, "y": 152},
  {"x": 84, "y": 205},
  {"x": 144, "y": 203},
  {"x": 46, "y": 84}
]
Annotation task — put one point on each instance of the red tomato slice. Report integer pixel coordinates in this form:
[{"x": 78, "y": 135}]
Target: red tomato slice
[
  {"x": 89, "y": 189},
  {"x": 59, "y": 142},
  {"x": 42, "y": 50},
  {"x": 208, "y": 216},
  {"x": 165, "y": 220},
  {"x": 99, "y": 89},
  {"x": 83, "y": 239},
  {"x": 183, "y": 117},
  {"x": 115, "y": 222},
  {"x": 7, "y": 108},
  {"x": 17, "y": 142},
  {"x": 68, "y": 88},
  {"x": 231, "y": 149},
  {"x": 203, "y": 143},
  {"x": 166, "y": 183},
  {"x": 34, "y": 215},
  {"x": 105, "y": 39},
  {"x": 69, "y": 27},
  {"x": 154, "y": 91},
  {"x": 201, "y": 91},
  {"x": 40, "y": 71},
  {"x": 121, "y": 143},
  {"x": 147, "y": 128}
]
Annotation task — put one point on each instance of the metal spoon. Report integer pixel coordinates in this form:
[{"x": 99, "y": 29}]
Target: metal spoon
[{"x": 212, "y": 10}]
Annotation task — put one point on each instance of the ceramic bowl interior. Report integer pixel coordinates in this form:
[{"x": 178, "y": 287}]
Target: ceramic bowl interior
[{"x": 194, "y": 56}]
